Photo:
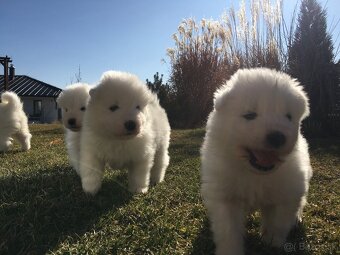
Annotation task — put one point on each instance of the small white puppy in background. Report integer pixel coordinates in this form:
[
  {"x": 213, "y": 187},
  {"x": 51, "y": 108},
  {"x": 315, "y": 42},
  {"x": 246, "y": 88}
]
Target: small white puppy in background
[
  {"x": 73, "y": 101},
  {"x": 254, "y": 157},
  {"x": 125, "y": 126},
  {"x": 13, "y": 123}
]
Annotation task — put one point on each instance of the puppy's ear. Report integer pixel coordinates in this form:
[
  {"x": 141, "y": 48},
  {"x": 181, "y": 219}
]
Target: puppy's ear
[
  {"x": 93, "y": 92},
  {"x": 221, "y": 97}
]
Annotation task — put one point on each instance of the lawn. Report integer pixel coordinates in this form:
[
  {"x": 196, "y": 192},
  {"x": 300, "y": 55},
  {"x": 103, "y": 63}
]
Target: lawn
[{"x": 44, "y": 210}]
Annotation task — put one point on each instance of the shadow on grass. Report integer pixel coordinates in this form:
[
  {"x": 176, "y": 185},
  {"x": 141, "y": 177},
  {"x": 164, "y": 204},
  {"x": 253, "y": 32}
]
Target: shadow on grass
[
  {"x": 11, "y": 152},
  {"x": 295, "y": 244},
  {"x": 204, "y": 244},
  {"x": 40, "y": 211},
  {"x": 325, "y": 146}
]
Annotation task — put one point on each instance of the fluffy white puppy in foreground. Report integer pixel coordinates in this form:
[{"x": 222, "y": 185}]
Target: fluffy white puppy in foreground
[
  {"x": 125, "y": 126},
  {"x": 254, "y": 157},
  {"x": 13, "y": 122},
  {"x": 73, "y": 101}
]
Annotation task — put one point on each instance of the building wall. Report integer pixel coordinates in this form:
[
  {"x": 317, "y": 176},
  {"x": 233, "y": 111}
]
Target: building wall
[{"x": 48, "y": 105}]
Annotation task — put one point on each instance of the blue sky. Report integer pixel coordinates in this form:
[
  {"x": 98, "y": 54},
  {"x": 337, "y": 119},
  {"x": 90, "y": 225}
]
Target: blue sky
[{"x": 48, "y": 40}]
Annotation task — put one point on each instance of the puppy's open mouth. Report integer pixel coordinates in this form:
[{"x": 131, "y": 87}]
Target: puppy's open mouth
[{"x": 262, "y": 160}]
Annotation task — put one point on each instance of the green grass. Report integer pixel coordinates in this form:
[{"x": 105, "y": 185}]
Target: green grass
[{"x": 44, "y": 210}]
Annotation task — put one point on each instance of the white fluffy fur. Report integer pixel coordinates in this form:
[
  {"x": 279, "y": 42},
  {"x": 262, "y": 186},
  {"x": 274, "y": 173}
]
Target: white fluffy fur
[
  {"x": 231, "y": 186},
  {"x": 121, "y": 97},
  {"x": 14, "y": 123},
  {"x": 73, "y": 102}
]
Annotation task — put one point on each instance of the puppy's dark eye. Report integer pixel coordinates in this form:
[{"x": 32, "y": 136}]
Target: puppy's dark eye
[
  {"x": 83, "y": 109},
  {"x": 114, "y": 108},
  {"x": 250, "y": 116},
  {"x": 289, "y": 116},
  {"x": 138, "y": 107}
]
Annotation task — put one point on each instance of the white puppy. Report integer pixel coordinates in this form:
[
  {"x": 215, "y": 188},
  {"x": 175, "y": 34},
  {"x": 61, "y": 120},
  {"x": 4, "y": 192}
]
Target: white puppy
[
  {"x": 254, "y": 157},
  {"x": 124, "y": 126},
  {"x": 14, "y": 123},
  {"x": 73, "y": 101}
]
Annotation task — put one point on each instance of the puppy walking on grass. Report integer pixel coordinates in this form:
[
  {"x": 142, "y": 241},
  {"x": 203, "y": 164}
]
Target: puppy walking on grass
[
  {"x": 124, "y": 126},
  {"x": 13, "y": 122},
  {"x": 254, "y": 157},
  {"x": 73, "y": 101}
]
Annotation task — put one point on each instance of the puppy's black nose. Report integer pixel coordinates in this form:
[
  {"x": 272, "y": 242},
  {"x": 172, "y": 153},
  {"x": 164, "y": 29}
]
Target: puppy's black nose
[
  {"x": 276, "y": 139},
  {"x": 130, "y": 125},
  {"x": 72, "y": 122}
]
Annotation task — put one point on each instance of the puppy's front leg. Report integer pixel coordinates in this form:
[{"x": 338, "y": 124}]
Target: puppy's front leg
[
  {"x": 91, "y": 170},
  {"x": 139, "y": 176},
  {"x": 228, "y": 226},
  {"x": 24, "y": 139},
  {"x": 5, "y": 143},
  {"x": 282, "y": 219}
]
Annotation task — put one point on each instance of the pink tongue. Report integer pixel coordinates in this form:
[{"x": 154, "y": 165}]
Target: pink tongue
[{"x": 265, "y": 158}]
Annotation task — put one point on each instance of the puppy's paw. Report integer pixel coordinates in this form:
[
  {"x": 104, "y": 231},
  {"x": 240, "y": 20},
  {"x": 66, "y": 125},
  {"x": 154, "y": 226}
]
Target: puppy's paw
[
  {"x": 154, "y": 181},
  {"x": 9, "y": 142},
  {"x": 138, "y": 189},
  {"x": 275, "y": 240},
  {"x": 91, "y": 185},
  {"x": 26, "y": 146},
  {"x": 6, "y": 146}
]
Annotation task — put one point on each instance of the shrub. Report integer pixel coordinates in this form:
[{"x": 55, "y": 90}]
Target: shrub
[{"x": 209, "y": 52}]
